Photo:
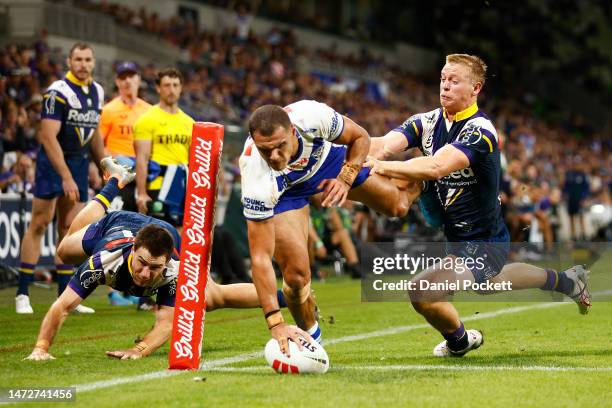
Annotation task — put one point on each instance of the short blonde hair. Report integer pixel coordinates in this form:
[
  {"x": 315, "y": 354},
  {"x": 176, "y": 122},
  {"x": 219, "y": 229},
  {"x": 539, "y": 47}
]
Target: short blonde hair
[{"x": 477, "y": 67}]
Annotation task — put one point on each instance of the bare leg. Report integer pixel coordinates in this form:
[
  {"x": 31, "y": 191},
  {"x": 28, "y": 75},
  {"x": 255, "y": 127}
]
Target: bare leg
[
  {"x": 383, "y": 195},
  {"x": 67, "y": 210},
  {"x": 236, "y": 296},
  {"x": 522, "y": 276},
  {"x": 42, "y": 215},
  {"x": 291, "y": 252}
]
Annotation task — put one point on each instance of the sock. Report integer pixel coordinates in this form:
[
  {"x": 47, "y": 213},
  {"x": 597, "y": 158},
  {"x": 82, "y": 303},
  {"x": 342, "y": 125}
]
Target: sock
[
  {"x": 558, "y": 282},
  {"x": 457, "y": 340},
  {"x": 315, "y": 333},
  {"x": 108, "y": 193},
  {"x": 64, "y": 273},
  {"x": 281, "y": 298},
  {"x": 353, "y": 269},
  {"x": 26, "y": 276}
]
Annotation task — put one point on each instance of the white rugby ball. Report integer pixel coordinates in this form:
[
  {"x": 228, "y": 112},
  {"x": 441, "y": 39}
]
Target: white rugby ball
[{"x": 312, "y": 359}]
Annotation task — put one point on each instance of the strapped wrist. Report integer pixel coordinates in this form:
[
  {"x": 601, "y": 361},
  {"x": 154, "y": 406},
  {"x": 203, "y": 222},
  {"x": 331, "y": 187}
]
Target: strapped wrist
[
  {"x": 42, "y": 344},
  {"x": 141, "y": 347},
  {"x": 349, "y": 173},
  {"x": 274, "y": 318}
]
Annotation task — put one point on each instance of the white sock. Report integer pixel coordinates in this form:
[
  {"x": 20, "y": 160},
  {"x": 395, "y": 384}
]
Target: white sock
[{"x": 315, "y": 333}]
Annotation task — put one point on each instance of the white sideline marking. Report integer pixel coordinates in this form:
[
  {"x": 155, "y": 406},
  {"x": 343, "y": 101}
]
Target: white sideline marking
[
  {"x": 425, "y": 367},
  {"x": 214, "y": 364}
]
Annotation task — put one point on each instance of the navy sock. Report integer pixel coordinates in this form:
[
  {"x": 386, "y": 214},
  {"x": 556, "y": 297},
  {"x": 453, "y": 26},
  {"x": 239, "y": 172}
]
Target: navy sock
[
  {"x": 64, "y": 273},
  {"x": 457, "y": 340},
  {"x": 565, "y": 284},
  {"x": 281, "y": 298},
  {"x": 108, "y": 193},
  {"x": 558, "y": 282},
  {"x": 26, "y": 276}
]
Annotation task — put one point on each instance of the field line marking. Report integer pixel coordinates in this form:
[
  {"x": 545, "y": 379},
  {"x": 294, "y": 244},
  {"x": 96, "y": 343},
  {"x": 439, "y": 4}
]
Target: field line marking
[
  {"x": 208, "y": 365},
  {"x": 425, "y": 367}
]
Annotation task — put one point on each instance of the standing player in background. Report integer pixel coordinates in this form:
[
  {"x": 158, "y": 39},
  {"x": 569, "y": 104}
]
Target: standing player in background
[
  {"x": 118, "y": 119},
  {"x": 70, "y": 115},
  {"x": 462, "y": 156},
  {"x": 293, "y": 153},
  {"x": 163, "y": 136},
  {"x": 576, "y": 190}
]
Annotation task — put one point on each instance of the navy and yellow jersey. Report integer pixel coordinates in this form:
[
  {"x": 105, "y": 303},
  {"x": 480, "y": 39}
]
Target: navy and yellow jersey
[
  {"x": 469, "y": 197},
  {"x": 109, "y": 242},
  {"x": 77, "y": 105}
]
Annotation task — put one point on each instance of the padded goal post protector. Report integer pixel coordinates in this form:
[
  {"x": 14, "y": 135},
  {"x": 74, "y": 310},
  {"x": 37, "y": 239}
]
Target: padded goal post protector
[{"x": 196, "y": 244}]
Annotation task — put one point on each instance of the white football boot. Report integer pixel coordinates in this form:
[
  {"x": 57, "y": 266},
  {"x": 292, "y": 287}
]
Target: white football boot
[
  {"x": 83, "y": 309},
  {"x": 581, "y": 294},
  {"x": 124, "y": 174},
  {"x": 475, "y": 340},
  {"x": 22, "y": 305}
]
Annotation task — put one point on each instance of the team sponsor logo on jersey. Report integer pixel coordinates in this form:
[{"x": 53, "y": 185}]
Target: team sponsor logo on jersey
[
  {"x": 76, "y": 117},
  {"x": 90, "y": 276},
  {"x": 335, "y": 123},
  {"x": 471, "y": 135},
  {"x": 253, "y": 205},
  {"x": 50, "y": 103}
]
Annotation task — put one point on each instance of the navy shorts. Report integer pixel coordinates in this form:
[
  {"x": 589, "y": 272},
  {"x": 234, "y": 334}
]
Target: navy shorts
[
  {"x": 486, "y": 257},
  {"x": 48, "y": 184},
  {"x": 297, "y": 196},
  {"x": 120, "y": 224}
]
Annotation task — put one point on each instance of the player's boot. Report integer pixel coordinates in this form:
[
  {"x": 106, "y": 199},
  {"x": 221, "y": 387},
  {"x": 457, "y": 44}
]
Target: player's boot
[
  {"x": 83, "y": 309},
  {"x": 581, "y": 294},
  {"x": 475, "y": 340},
  {"x": 22, "y": 305},
  {"x": 110, "y": 167}
]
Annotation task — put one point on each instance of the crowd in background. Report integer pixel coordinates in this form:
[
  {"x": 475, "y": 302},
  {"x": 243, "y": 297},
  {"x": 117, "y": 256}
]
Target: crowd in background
[{"x": 234, "y": 71}]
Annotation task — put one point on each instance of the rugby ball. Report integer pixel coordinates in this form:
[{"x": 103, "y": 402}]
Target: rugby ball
[{"x": 312, "y": 359}]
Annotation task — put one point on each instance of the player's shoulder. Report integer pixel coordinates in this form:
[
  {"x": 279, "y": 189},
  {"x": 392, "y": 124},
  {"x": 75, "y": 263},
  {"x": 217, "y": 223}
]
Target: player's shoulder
[
  {"x": 430, "y": 117},
  {"x": 143, "y": 105},
  {"x": 61, "y": 87},
  {"x": 113, "y": 105},
  {"x": 185, "y": 117},
  {"x": 481, "y": 121},
  {"x": 153, "y": 114},
  {"x": 306, "y": 109}
]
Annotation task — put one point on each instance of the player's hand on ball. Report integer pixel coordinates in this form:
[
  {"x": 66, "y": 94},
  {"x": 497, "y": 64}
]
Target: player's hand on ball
[
  {"x": 39, "y": 354},
  {"x": 375, "y": 165},
  {"x": 334, "y": 192},
  {"x": 125, "y": 354},
  {"x": 283, "y": 332}
]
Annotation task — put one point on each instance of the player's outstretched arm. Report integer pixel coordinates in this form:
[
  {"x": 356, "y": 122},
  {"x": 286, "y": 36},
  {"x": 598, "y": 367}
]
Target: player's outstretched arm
[
  {"x": 357, "y": 141},
  {"x": 446, "y": 160},
  {"x": 153, "y": 340},
  {"x": 52, "y": 322},
  {"x": 381, "y": 148},
  {"x": 261, "y": 245}
]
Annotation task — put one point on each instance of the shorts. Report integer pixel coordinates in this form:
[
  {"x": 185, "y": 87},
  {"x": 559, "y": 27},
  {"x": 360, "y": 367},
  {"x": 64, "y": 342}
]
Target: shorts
[
  {"x": 297, "y": 196},
  {"x": 48, "y": 184},
  {"x": 574, "y": 207},
  {"x": 486, "y": 257},
  {"x": 112, "y": 226}
]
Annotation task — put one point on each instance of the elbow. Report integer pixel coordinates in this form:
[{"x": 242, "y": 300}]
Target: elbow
[{"x": 436, "y": 172}]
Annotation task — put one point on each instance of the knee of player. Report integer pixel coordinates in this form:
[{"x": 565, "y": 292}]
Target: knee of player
[
  {"x": 419, "y": 305},
  {"x": 296, "y": 278}
]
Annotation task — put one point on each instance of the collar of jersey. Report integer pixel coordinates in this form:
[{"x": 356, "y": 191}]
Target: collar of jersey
[
  {"x": 129, "y": 262},
  {"x": 300, "y": 146},
  {"x": 464, "y": 114},
  {"x": 70, "y": 76}
]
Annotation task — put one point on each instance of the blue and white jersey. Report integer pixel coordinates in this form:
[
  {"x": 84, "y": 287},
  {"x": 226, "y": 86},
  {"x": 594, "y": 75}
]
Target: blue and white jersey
[
  {"x": 317, "y": 127},
  {"x": 77, "y": 105},
  {"x": 469, "y": 197}
]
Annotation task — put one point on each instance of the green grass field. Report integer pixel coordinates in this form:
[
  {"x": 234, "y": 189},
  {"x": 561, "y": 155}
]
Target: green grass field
[{"x": 535, "y": 354}]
